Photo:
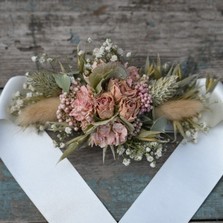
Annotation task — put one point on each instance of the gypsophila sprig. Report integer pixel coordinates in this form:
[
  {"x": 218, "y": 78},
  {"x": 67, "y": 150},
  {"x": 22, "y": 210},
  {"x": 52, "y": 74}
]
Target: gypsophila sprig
[{"x": 106, "y": 102}]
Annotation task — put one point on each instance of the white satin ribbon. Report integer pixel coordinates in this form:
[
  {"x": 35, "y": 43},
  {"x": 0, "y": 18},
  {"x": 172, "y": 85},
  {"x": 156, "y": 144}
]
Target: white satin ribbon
[
  {"x": 187, "y": 177},
  {"x": 182, "y": 184},
  {"x": 61, "y": 195},
  {"x": 57, "y": 190}
]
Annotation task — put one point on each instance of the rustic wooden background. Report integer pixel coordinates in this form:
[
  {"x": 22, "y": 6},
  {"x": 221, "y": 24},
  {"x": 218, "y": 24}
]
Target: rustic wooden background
[{"x": 176, "y": 29}]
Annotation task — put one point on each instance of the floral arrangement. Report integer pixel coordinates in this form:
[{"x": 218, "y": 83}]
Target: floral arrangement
[{"x": 108, "y": 103}]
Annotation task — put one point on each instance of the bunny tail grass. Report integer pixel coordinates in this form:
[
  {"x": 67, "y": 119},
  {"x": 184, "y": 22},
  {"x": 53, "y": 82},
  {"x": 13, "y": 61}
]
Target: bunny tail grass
[
  {"x": 40, "y": 112},
  {"x": 179, "y": 109}
]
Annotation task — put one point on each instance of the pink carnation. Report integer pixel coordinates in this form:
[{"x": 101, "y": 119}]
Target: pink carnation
[
  {"x": 109, "y": 134},
  {"x": 83, "y": 106}
]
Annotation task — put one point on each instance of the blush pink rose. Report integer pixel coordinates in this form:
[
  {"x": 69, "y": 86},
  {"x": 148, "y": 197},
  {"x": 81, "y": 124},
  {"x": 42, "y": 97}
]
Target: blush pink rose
[
  {"x": 105, "y": 105},
  {"x": 129, "y": 108},
  {"x": 114, "y": 88},
  {"x": 120, "y": 88},
  {"x": 127, "y": 90},
  {"x": 110, "y": 134},
  {"x": 83, "y": 105}
]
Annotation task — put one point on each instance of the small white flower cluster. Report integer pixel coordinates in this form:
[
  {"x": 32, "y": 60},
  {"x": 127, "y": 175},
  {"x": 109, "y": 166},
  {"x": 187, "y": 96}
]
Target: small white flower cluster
[
  {"x": 63, "y": 133},
  {"x": 152, "y": 151},
  {"x": 17, "y": 103},
  {"x": 192, "y": 128},
  {"x": 42, "y": 59},
  {"x": 28, "y": 93},
  {"x": 108, "y": 52}
]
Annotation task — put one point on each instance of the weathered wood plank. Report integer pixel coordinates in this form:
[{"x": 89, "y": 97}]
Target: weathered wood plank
[{"x": 173, "y": 28}]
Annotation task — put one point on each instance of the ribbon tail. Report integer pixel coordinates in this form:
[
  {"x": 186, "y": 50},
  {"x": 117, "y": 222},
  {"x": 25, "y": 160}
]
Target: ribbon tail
[
  {"x": 57, "y": 190},
  {"x": 183, "y": 182}
]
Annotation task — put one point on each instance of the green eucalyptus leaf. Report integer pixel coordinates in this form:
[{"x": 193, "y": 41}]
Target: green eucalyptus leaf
[
  {"x": 104, "y": 122},
  {"x": 127, "y": 124},
  {"x": 100, "y": 72},
  {"x": 63, "y": 81},
  {"x": 72, "y": 145},
  {"x": 103, "y": 72},
  {"x": 89, "y": 129},
  {"x": 145, "y": 133},
  {"x": 99, "y": 86},
  {"x": 159, "y": 125},
  {"x": 188, "y": 80}
]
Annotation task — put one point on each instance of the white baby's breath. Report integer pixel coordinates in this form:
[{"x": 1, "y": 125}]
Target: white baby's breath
[
  {"x": 126, "y": 161},
  {"x": 34, "y": 58},
  {"x": 17, "y": 94},
  {"x": 89, "y": 40},
  {"x": 81, "y": 52},
  {"x": 68, "y": 130},
  {"x": 153, "y": 164},
  {"x": 62, "y": 145},
  {"x": 128, "y": 54},
  {"x": 114, "y": 58}
]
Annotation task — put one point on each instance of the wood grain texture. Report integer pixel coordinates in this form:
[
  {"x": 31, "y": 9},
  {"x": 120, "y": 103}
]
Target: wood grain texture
[
  {"x": 172, "y": 28},
  {"x": 175, "y": 29}
]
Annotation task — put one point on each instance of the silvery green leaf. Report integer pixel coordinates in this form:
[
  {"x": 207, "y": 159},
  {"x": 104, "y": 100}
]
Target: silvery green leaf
[
  {"x": 103, "y": 72},
  {"x": 72, "y": 145},
  {"x": 63, "y": 81},
  {"x": 127, "y": 124},
  {"x": 187, "y": 81},
  {"x": 89, "y": 129},
  {"x": 145, "y": 133},
  {"x": 100, "y": 72},
  {"x": 104, "y": 122},
  {"x": 159, "y": 125}
]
